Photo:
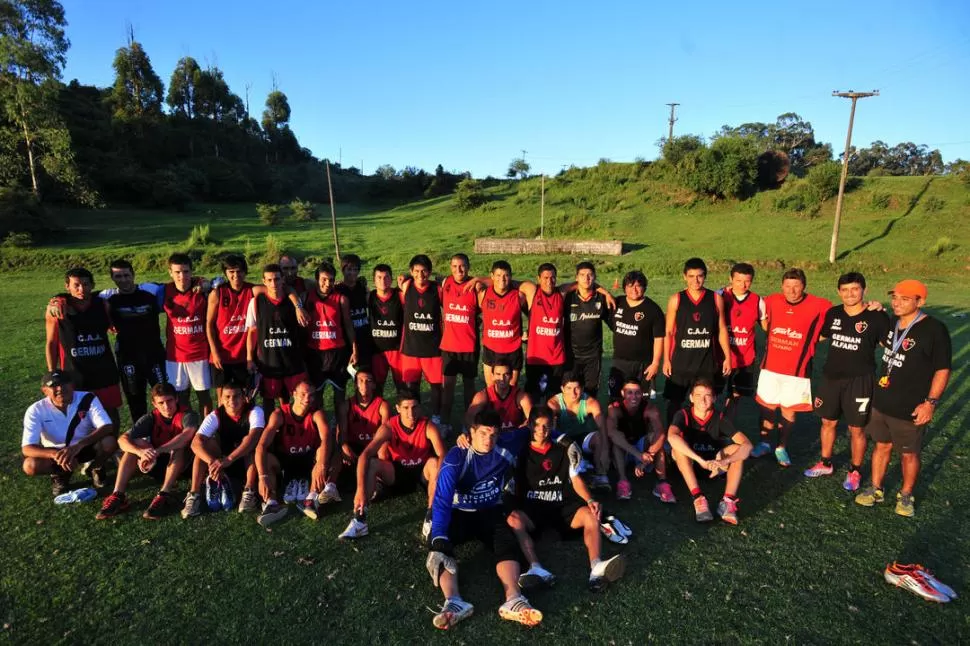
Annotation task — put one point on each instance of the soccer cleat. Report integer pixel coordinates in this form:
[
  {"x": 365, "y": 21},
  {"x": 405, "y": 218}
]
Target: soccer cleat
[
  {"x": 521, "y": 611},
  {"x": 355, "y": 529},
  {"x": 819, "y": 469},
  {"x": 158, "y": 507},
  {"x": 77, "y": 495},
  {"x": 192, "y": 506},
  {"x": 870, "y": 496},
  {"x": 249, "y": 501},
  {"x": 112, "y": 506},
  {"x": 600, "y": 482},
  {"x": 309, "y": 506},
  {"x": 536, "y": 576},
  {"x": 213, "y": 494},
  {"x": 760, "y": 450},
  {"x": 623, "y": 490},
  {"x": 915, "y": 582},
  {"x": 271, "y": 513},
  {"x": 227, "y": 497},
  {"x": 664, "y": 492},
  {"x": 453, "y": 611},
  {"x": 727, "y": 509},
  {"x": 290, "y": 493},
  {"x": 610, "y": 532},
  {"x": 329, "y": 494},
  {"x": 852, "y": 480},
  {"x": 926, "y": 574},
  {"x": 905, "y": 504},
  {"x": 606, "y": 572},
  {"x": 60, "y": 483},
  {"x": 619, "y": 526},
  {"x": 702, "y": 511},
  {"x": 782, "y": 456},
  {"x": 426, "y": 525}
]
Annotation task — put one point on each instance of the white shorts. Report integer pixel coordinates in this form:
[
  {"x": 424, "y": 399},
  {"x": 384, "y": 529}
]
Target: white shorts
[
  {"x": 189, "y": 374},
  {"x": 786, "y": 391}
]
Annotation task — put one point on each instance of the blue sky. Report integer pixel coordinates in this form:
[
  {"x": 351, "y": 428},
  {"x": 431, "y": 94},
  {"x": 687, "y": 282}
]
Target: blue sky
[{"x": 471, "y": 85}]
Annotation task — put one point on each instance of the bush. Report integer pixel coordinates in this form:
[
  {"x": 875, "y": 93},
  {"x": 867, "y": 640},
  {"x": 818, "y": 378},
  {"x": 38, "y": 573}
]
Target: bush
[
  {"x": 941, "y": 246},
  {"x": 269, "y": 214},
  {"x": 729, "y": 168},
  {"x": 880, "y": 200},
  {"x": 199, "y": 237},
  {"x": 469, "y": 195},
  {"x": 823, "y": 180},
  {"x": 20, "y": 212},
  {"x": 303, "y": 211},
  {"x": 933, "y": 204},
  {"x": 272, "y": 250},
  {"x": 18, "y": 239},
  {"x": 794, "y": 201}
]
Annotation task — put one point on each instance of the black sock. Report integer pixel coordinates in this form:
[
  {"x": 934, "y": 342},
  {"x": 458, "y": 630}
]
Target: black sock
[
  {"x": 854, "y": 467},
  {"x": 361, "y": 515},
  {"x": 826, "y": 462}
]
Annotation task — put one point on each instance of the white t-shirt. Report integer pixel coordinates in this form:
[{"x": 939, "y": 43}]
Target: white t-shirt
[
  {"x": 46, "y": 425},
  {"x": 210, "y": 424}
]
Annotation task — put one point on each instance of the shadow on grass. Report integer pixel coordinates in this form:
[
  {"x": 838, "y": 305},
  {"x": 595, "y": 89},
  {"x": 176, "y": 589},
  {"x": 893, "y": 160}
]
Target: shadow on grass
[{"x": 892, "y": 223}]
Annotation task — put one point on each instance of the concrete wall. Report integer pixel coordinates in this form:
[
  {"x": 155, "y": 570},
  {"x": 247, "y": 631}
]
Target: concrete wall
[{"x": 534, "y": 246}]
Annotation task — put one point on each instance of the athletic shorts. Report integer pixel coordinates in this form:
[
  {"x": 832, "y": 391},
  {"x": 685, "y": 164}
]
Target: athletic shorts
[
  {"x": 488, "y": 526},
  {"x": 848, "y": 398},
  {"x": 328, "y": 366},
  {"x": 109, "y": 396},
  {"x": 677, "y": 386},
  {"x": 459, "y": 363},
  {"x": 587, "y": 370},
  {"x": 184, "y": 375},
  {"x": 383, "y": 362},
  {"x": 542, "y": 380},
  {"x": 551, "y": 515},
  {"x": 407, "y": 479},
  {"x": 297, "y": 466},
  {"x": 157, "y": 472},
  {"x": 620, "y": 371},
  {"x": 741, "y": 382},
  {"x": 905, "y": 436},
  {"x": 785, "y": 391},
  {"x": 640, "y": 445},
  {"x": 412, "y": 368},
  {"x": 281, "y": 387},
  {"x": 86, "y": 454},
  {"x": 230, "y": 373},
  {"x": 513, "y": 359}
]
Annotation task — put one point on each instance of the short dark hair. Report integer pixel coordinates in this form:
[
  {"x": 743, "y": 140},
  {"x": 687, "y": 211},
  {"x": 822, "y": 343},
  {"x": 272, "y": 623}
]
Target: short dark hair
[
  {"x": 487, "y": 417},
  {"x": 462, "y": 257},
  {"x": 121, "y": 263},
  {"x": 704, "y": 382},
  {"x": 383, "y": 267},
  {"x": 695, "y": 263},
  {"x": 79, "y": 273},
  {"x": 366, "y": 370},
  {"x": 546, "y": 266},
  {"x": 502, "y": 265},
  {"x": 234, "y": 261},
  {"x": 537, "y": 413},
  {"x": 351, "y": 260},
  {"x": 164, "y": 389},
  {"x": 421, "y": 260},
  {"x": 743, "y": 268},
  {"x": 502, "y": 363},
  {"x": 272, "y": 268},
  {"x": 852, "y": 277},
  {"x": 325, "y": 267},
  {"x": 407, "y": 394},
  {"x": 631, "y": 380},
  {"x": 568, "y": 377},
  {"x": 234, "y": 385},
  {"x": 794, "y": 274},
  {"x": 634, "y": 277},
  {"x": 180, "y": 259},
  {"x": 290, "y": 256},
  {"x": 585, "y": 265}
]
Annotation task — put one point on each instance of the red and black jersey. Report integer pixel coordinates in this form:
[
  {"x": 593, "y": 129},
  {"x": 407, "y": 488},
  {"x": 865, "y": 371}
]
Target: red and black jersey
[
  {"x": 362, "y": 421},
  {"x": 705, "y": 436},
  {"x": 185, "y": 330},
  {"x": 164, "y": 430},
  {"x": 326, "y": 329},
  {"x": 742, "y": 317},
  {"x": 460, "y": 308},
  {"x": 409, "y": 447},
  {"x": 501, "y": 321},
  {"x": 297, "y": 435},
  {"x": 422, "y": 321},
  {"x": 547, "y": 345},
  {"x": 386, "y": 319},
  {"x": 695, "y": 334},
  {"x": 508, "y": 408},
  {"x": 84, "y": 348},
  {"x": 231, "y": 321}
]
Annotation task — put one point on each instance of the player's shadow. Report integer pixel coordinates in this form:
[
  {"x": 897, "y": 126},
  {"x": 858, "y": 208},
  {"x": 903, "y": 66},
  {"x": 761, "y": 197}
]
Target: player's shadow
[{"x": 892, "y": 223}]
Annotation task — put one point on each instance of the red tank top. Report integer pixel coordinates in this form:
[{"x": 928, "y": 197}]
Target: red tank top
[
  {"x": 165, "y": 430},
  {"x": 742, "y": 319},
  {"x": 501, "y": 321},
  {"x": 362, "y": 421},
  {"x": 296, "y": 436},
  {"x": 460, "y": 331},
  {"x": 231, "y": 321},
  {"x": 793, "y": 332},
  {"x": 326, "y": 321},
  {"x": 508, "y": 409},
  {"x": 185, "y": 330},
  {"x": 409, "y": 449},
  {"x": 546, "y": 346}
]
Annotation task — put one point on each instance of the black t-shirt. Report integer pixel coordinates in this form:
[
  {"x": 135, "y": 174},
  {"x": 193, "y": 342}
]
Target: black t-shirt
[
  {"x": 544, "y": 476},
  {"x": 135, "y": 317},
  {"x": 910, "y": 369},
  {"x": 635, "y": 328},
  {"x": 705, "y": 436},
  {"x": 854, "y": 339},
  {"x": 584, "y": 334}
]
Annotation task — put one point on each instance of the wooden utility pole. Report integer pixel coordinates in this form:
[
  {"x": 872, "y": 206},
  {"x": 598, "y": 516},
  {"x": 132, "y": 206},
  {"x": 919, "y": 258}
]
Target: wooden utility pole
[
  {"x": 855, "y": 96},
  {"x": 670, "y": 133},
  {"x": 333, "y": 217},
  {"x": 542, "y": 206}
]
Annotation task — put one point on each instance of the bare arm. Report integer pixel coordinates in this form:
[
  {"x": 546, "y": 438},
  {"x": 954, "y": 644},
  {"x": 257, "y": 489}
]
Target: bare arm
[
  {"x": 923, "y": 413},
  {"x": 434, "y": 436},
  {"x": 722, "y": 334},
  {"x": 381, "y": 437},
  {"x": 669, "y": 338},
  {"x": 327, "y": 438},
  {"x": 680, "y": 445},
  {"x": 212, "y": 329},
  {"x": 479, "y": 402},
  {"x": 51, "y": 346},
  {"x": 265, "y": 445}
]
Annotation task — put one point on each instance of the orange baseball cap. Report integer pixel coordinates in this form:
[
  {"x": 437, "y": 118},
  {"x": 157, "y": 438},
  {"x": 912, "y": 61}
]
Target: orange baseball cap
[{"x": 909, "y": 287}]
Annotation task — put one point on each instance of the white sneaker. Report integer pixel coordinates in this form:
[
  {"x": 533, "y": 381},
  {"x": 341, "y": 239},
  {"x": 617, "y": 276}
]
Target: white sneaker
[
  {"x": 453, "y": 611},
  {"x": 606, "y": 572},
  {"x": 426, "y": 526},
  {"x": 329, "y": 494},
  {"x": 355, "y": 529},
  {"x": 290, "y": 493},
  {"x": 536, "y": 576},
  {"x": 303, "y": 489}
]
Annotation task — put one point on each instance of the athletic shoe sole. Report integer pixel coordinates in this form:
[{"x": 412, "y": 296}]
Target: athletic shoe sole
[
  {"x": 527, "y": 616},
  {"x": 528, "y": 581},
  {"x": 310, "y": 512},
  {"x": 265, "y": 520},
  {"x": 123, "y": 508},
  {"x": 445, "y": 620}
]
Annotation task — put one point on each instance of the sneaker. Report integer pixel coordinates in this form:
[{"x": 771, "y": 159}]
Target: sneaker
[
  {"x": 249, "y": 501},
  {"x": 213, "y": 494},
  {"x": 271, "y": 512},
  {"x": 159, "y": 506},
  {"x": 97, "y": 474},
  {"x": 623, "y": 490},
  {"x": 290, "y": 493},
  {"x": 727, "y": 509},
  {"x": 610, "y": 532},
  {"x": 782, "y": 456},
  {"x": 77, "y": 495},
  {"x": 870, "y": 496},
  {"x": 664, "y": 492},
  {"x": 309, "y": 506},
  {"x": 536, "y": 576},
  {"x": 701, "y": 510},
  {"x": 453, "y": 611},
  {"x": 426, "y": 525},
  {"x": 819, "y": 470},
  {"x": 329, "y": 494},
  {"x": 192, "y": 506},
  {"x": 302, "y": 490},
  {"x": 520, "y": 610},
  {"x": 112, "y": 506},
  {"x": 355, "y": 529},
  {"x": 927, "y": 576},
  {"x": 915, "y": 582},
  {"x": 852, "y": 480},
  {"x": 601, "y": 482},
  {"x": 905, "y": 504},
  {"x": 60, "y": 483},
  {"x": 760, "y": 450},
  {"x": 619, "y": 526},
  {"x": 227, "y": 497},
  {"x": 606, "y": 572}
]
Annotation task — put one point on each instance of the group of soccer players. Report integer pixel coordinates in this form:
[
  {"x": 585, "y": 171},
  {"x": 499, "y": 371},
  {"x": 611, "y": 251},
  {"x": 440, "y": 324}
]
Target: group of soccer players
[{"x": 289, "y": 338}]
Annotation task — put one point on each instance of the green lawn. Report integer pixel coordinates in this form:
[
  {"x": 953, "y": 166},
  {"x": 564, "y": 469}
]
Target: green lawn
[{"x": 804, "y": 565}]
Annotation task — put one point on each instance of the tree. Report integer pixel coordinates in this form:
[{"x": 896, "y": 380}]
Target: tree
[
  {"x": 137, "y": 91},
  {"x": 385, "y": 172},
  {"x": 181, "y": 88},
  {"x": 277, "y": 112},
  {"x": 518, "y": 167}
]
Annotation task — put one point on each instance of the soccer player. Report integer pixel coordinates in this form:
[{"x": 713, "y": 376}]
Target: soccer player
[
  {"x": 386, "y": 315},
  {"x": 848, "y": 377},
  {"x": 404, "y": 453},
  {"x": 290, "y": 269},
  {"x": 224, "y": 446},
  {"x": 580, "y": 418},
  {"x": 743, "y": 312},
  {"x": 354, "y": 288},
  {"x": 638, "y": 439},
  {"x": 65, "y": 429},
  {"x": 545, "y": 355},
  {"x": 468, "y": 506},
  {"x": 551, "y": 494},
  {"x": 77, "y": 342},
  {"x": 459, "y": 338},
  {"x": 587, "y": 310},
  {"x": 187, "y": 347},
  {"x": 226, "y": 323},
  {"x": 793, "y": 324},
  {"x": 296, "y": 446},
  {"x": 421, "y": 339},
  {"x": 512, "y": 405},
  {"x": 694, "y": 327},
  {"x": 703, "y": 436},
  {"x": 156, "y": 444},
  {"x": 364, "y": 413},
  {"x": 501, "y": 307},
  {"x": 331, "y": 333},
  {"x": 638, "y": 326},
  {"x": 917, "y": 359}
]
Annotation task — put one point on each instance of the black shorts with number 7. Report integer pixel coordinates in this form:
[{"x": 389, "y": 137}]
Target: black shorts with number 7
[{"x": 848, "y": 398}]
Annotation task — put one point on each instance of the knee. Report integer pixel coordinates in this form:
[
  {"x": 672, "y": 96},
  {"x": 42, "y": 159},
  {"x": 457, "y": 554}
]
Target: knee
[
  {"x": 31, "y": 466},
  {"x": 109, "y": 445},
  {"x": 515, "y": 521}
]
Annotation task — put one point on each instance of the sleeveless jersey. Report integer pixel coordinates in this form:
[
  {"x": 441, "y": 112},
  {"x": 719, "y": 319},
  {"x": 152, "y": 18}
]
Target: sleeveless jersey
[
  {"x": 508, "y": 409},
  {"x": 422, "y": 322},
  {"x": 357, "y": 300},
  {"x": 570, "y": 425},
  {"x": 231, "y": 321},
  {"x": 164, "y": 430},
  {"x": 460, "y": 309},
  {"x": 278, "y": 338},
  {"x": 232, "y": 431},
  {"x": 742, "y": 318},
  {"x": 632, "y": 425},
  {"x": 793, "y": 332},
  {"x": 547, "y": 345},
  {"x": 705, "y": 436},
  {"x": 298, "y": 435},
  {"x": 501, "y": 321},
  {"x": 135, "y": 317},
  {"x": 409, "y": 448},
  {"x": 362, "y": 421},
  {"x": 185, "y": 330},
  {"x": 326, "y": 320},
  {"x": 84, "y": 348},
  {"x": 695, "y": 335},
  {"x": 386, "y": 319}
]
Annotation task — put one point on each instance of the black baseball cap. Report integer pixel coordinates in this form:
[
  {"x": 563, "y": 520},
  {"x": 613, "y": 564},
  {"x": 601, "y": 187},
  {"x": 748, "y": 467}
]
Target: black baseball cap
[{"x": 53, "y": 378}]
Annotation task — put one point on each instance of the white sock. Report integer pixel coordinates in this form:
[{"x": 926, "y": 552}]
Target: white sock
[{"x": 594, "y": 562}]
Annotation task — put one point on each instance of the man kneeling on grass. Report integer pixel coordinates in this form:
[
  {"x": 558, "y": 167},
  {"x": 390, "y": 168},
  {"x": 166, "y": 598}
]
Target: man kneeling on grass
[
  {"x": 155, "y": 445},
  {"x": 702, "y": 435},
  {"x": 551, "y": 494}
]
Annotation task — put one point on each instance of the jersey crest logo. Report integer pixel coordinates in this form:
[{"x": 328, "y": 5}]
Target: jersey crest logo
[
  {"x": 225, "y": 301},
  {"x": 696, "y": 316},
  {"x": 861, "y": 327},
  {"x": 599, "y": 305},
  {"x": 818, "y": 402},
  {"x": 908, "y": 344},
  {"x": 491, "y": 305},
  {"x": 638, "y": 316},
  {"x": 547, "y": 465}
]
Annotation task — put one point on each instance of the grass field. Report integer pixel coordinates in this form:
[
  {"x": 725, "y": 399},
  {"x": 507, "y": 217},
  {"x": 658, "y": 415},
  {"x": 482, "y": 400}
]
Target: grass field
[{"x": 804, "y": 565}]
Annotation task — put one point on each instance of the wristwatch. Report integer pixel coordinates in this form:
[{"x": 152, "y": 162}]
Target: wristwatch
[{"x": 933, "y": 401}]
